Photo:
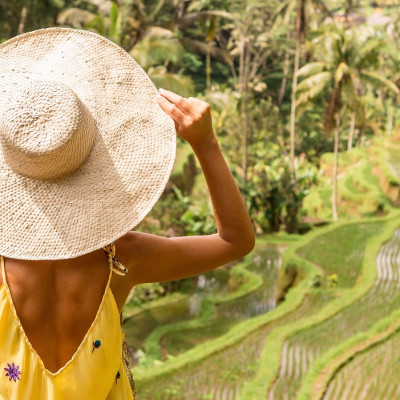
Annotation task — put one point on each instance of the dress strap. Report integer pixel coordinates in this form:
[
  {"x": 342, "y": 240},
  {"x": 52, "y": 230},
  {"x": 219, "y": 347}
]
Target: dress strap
[
  {"x": 114, "y": 263},
  {"x": 3, "y": 272}
]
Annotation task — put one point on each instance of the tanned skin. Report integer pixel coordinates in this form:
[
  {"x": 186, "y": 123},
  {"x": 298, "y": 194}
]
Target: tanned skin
[{"x": 57, "y": 301}]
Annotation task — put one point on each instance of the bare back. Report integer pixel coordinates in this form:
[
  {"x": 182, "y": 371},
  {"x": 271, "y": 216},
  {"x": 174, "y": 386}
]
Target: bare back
[{"x": 57, "y": 301}]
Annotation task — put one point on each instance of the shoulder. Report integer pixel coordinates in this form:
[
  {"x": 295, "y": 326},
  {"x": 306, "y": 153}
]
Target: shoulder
[
  {"x": 141, "y": 253},
  {"x": 133, "y": 248},
  {"x": 123, "y": 248}
]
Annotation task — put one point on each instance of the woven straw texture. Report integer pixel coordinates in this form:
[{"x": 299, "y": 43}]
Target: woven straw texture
[{"x": 47, "y": 211}]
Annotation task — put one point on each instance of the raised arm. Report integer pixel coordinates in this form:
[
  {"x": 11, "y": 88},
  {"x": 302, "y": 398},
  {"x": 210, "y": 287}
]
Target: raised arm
[{"x": 155, "y": 258}]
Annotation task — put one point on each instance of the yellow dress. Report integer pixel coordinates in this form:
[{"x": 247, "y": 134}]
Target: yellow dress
[{"x": 96, "y": 371}]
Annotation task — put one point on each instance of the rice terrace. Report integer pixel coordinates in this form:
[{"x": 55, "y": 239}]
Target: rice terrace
[{"x": 334, "y": 336}]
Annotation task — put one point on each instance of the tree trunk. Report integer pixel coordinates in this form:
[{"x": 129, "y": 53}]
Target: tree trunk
[
  {"x": 22, "y": 21},
  {"x": 245, "y": 108},
  {"x": 208, "y": 69},
  {"x": 390, "y": 123},
  {"x": 284, "y": 79},
  {"x": 351, "y": 133},
  {"x": 293, "y": 106},
  {"x": 335, "y": 168},
  {"x": 241, "y": 64}
]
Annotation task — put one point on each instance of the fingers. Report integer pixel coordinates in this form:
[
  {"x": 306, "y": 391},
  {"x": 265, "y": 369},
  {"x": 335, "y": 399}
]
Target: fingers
[
  {"x": 199, "y": 105},
  {"x": 179, "y": 101},
  {"x": 171, "y": 109}
]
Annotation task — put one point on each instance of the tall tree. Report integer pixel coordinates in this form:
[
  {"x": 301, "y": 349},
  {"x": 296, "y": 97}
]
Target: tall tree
[
  {"x": 251, "y": 42},
  {"x": 304, "y": 18},
  {"x": 344, "y": 60},
  {"x": 209, "y": 23}
]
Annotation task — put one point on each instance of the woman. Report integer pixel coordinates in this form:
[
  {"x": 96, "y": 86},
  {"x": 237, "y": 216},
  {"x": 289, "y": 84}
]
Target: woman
[{"x": 58, "y": 317}]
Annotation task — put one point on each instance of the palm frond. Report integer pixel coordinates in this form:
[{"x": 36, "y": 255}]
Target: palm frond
[
  {"x": 283, "y": 12},
  {"x": 157, "y": 8},
  {"x": 175, "y": 82},
  {"x": 314, "y": 80},
  {"x": 341, "y": 71},
  {"x": 376, "y": 78},
  {"x": 189, "y": 19},
  {"x": 313, "y": 68},
  {"x": 311, "y": 87},
  {"x": 198, "y": 46},
  {"x": 114, "y": 14},
  {"x": 349, "y": 94},
  {"x": 368, "y": 52},
  {"x": 75, "y": 17},
  {"x": 158, "y": 46}
]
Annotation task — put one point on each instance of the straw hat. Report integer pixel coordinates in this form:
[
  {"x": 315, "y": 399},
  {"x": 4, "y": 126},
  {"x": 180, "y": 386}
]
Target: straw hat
[{"x": 85, "y": 150}]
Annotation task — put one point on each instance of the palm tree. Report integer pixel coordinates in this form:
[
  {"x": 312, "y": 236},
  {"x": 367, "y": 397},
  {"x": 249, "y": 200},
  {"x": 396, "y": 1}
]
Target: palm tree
[
  {"x": 108, "y": 20},
  {"x": 305, "y": 18},
  {"x": 344, "y": 61},
  {"x": 250, "y": 44},
  {"x": 249, "y": 24},
  {"x": 157, "y": 49},
  {"x": 209, "y": 26}
]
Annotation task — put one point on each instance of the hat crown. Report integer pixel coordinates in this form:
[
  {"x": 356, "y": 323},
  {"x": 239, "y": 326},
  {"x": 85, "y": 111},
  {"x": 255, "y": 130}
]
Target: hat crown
[
  {"x": 126, "y": 169},
  {"x": 46, "y": 131}
]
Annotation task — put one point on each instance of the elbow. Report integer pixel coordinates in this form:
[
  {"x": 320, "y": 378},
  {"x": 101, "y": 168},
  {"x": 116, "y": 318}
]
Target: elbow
[
  {"x": 250, "y": 244},
  {"x": 240, "y": 244},
  {"x": 246, "y": 245}
]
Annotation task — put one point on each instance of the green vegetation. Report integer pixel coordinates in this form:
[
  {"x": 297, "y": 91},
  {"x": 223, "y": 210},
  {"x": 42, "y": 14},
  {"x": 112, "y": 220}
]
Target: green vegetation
[
  {"x": 304, "y": 97},
  {"x": 349, "y": 315},
  {"x": 243, "y": 282},
  {"x": 279, "y": 77},
  {"x": 379, "y": 361},
  {"x": 278, "y": 361},
  {"x": 351, "y": 240}
]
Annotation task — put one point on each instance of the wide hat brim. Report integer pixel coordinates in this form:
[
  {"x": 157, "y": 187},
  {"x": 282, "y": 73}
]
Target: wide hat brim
[{"x": 127, "y": 169}]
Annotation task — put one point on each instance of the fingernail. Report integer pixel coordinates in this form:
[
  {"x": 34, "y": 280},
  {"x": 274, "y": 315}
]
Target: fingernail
[
  {"x": 159, "y": 97},
  {"x": 161, "y": 89}
]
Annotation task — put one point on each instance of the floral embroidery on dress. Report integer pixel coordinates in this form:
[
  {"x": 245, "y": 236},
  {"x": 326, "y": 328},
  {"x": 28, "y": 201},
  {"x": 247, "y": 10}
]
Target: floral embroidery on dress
[
  {"x": 96, "y": 345},
  {"x": 12, "y": 372},
  {"x": 117, "y": 376}
]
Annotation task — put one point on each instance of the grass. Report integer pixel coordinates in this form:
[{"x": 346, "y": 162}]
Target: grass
[
  {"x": 271, "y": 356},
  {"x": 328, "y": 377},
  {"x": 131, "y": 310},
  {"x": 208, "y": 313},
  {"x": 347, "y": 263},
  {"x": 359, "y": 316},
  {"x": 145, "y": 325},
  {"x": 365, "y": 316},
  {"x": 230, "y": 340},
  {"x": 280, "y": 354},
  {"x": 224, "y": 372},
  {"x": 260, "y": 299},
  {"x": 360, "y": 192},
  {"x": 379, "y": 364},
  {"x": 240, "y": 367},
  {"x": 141, "y": 322}
]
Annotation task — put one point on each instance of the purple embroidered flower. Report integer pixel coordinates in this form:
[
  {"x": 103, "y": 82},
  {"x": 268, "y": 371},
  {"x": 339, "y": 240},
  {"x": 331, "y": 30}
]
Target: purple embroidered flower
[
  {"x": 96, "y": 345},
  {"x": 117, "y": 376},
  {"x": 12, "y": 372}
]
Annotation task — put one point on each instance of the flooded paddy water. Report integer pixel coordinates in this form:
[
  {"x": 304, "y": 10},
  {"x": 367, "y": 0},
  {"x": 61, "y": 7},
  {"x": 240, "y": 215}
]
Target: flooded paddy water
[{"x": 221, "y": 376}]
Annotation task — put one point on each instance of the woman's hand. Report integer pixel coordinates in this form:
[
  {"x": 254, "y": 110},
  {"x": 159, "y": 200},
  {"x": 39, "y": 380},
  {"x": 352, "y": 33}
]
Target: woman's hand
[{"x": 192, "y": 117}]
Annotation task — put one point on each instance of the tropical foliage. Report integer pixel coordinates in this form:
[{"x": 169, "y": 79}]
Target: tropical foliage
[
  {"x": 304, "y": 97},
  {"x": 281, "y": 76}
]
